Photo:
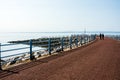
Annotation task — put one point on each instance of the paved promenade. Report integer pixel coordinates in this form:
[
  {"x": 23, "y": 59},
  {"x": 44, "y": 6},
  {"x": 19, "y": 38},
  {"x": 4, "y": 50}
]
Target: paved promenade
[{"x": 97, "y": 61}]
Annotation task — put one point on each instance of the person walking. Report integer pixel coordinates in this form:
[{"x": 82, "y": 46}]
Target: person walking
[{"x": 100, "y": 36}]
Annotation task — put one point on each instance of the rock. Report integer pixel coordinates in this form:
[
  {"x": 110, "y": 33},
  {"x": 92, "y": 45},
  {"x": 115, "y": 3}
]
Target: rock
[
  {"x": 44, "y": 54},
  {"x": 18, "y": 59},
  {"x": 78, "y": 43},
  {"x": 8, "y": 64},
  {"x": 15, "y": 59},
  {"x": 37, "y": 54},
  {"x": 58, "y": 49},
  {"x": 26, "y": 57},
  {"x": 13, "y": 62}
]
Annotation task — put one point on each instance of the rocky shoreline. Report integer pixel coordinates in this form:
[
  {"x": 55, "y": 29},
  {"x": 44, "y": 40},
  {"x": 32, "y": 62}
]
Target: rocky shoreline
[{"x": 22, "y": 58}]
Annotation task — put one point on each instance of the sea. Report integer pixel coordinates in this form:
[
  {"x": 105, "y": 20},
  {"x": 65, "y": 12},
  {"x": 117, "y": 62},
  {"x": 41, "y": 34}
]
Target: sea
[{"x": 5, "y": 37}]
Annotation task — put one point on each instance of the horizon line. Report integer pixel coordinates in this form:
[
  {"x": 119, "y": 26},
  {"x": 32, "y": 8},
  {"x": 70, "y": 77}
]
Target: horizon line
[{"x": 65, "y": 32}]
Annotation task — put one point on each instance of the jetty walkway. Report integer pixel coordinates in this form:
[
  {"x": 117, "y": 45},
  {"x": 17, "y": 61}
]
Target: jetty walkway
[{"x": 97, "y": 61}]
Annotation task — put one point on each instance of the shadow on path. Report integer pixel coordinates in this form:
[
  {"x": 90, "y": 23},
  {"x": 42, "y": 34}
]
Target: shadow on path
[{"x": 17, "y": 69}]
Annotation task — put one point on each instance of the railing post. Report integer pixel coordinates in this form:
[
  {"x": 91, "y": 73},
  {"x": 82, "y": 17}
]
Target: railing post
[
  {"x": 94, "y": 37},
  {"x": 84, "y": 39},
  {"x": 49, "y": 46},
  {"x": 91, "y": 37},
  {"x": 0, "y": 58},
  {"x": 62, "y": 43},
  {"x": 81, "y": 40},
  {"x": 31, "y": 55},
  {"x": 87, "y": 39},
  {"x": 77, "y": 40},
  {"x": 71, "y": 42}
]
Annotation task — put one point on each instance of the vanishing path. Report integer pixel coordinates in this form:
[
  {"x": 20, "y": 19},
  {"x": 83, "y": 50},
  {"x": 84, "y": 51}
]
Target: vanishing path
[{"x": 98, "y": 61}]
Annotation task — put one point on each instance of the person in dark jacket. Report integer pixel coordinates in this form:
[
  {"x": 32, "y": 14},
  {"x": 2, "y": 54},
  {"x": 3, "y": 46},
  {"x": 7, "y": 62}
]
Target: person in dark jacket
[{"x": 100, "y": 36}]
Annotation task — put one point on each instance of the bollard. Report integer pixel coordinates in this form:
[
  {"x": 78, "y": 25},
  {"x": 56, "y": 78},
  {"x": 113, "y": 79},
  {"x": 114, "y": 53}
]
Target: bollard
[
  {"x": 62, "y": 43},
  {"x": 49, "y": 46},
  {"x": 31, "y": 55},
  {"x": 0, "y": 58}
]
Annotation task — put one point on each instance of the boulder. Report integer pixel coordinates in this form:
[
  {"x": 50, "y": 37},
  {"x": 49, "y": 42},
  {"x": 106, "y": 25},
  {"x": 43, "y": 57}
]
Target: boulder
[
  {"x": 26, "y": 57},
  {"x": 37, "y": 54},
  {"x": 58, "y": 49}
]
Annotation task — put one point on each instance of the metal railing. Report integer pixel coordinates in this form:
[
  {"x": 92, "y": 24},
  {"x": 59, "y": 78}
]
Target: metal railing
[{"x": 51, "y": 46}]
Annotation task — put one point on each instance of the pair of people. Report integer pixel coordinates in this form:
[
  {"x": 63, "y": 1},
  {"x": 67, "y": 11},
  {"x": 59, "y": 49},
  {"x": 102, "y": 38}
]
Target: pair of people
[{"x": 101, "y": 36}]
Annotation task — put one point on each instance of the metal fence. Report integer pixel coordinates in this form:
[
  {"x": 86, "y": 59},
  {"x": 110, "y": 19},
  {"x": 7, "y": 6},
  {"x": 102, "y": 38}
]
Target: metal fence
[{"x": 51, "y": 45}]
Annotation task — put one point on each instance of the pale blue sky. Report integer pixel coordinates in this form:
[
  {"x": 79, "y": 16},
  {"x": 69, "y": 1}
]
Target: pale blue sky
[{"x": 59, "y": 15}]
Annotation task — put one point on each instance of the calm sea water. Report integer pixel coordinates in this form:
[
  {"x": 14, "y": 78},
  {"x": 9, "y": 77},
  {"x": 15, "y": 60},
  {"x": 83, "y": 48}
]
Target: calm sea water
[{"x": 13, "y": 36}]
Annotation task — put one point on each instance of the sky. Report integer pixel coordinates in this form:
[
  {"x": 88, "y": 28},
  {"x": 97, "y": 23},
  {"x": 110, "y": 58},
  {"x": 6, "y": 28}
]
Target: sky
[{"x": 59, "y": 15}]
